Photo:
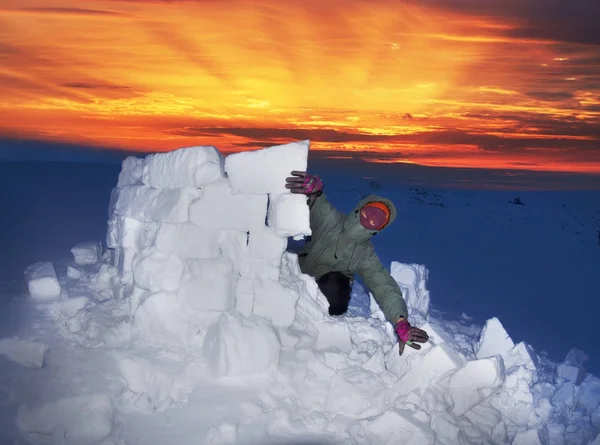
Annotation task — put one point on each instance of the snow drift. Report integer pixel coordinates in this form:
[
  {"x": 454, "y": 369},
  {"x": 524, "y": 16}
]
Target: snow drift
[{"x": 196, "y": 291}]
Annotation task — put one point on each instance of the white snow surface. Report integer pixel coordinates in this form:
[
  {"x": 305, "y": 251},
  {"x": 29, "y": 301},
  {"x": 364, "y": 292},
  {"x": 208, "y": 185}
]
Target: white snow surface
[{"x": 194, "y": 333}]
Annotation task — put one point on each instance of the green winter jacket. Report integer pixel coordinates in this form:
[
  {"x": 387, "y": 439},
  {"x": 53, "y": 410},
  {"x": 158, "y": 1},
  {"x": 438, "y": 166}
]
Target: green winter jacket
[{"x": 339, "y": 243}]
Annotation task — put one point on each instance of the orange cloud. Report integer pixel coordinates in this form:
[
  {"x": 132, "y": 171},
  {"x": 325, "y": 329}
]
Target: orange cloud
[{"x": 445, "y": 84}]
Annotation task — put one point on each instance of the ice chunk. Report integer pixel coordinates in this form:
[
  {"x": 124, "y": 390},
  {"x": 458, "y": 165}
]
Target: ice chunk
[
  {"x": 572, "y": 368},
  {"x": 474, "y": 382},
  {"x": 264, "y": 171},
  {"x": 147, "y": 204},
  {"x": 289, "y": 215},
  {"x": 208, "y": 285},
  {"x": 235, "y": 346},
  {"x": 42, "y": 281},
  {"x": 185, "y": 167},
  {"x": 82, "y": 420},
  {"x": 156, "y": 271},
  {"x": 494, "y": 340},
  {"x": 24, "y": 352},
  {"x": 390, "y": 428},
  {"x": 131, "y": 172},
  {"x": 411, "y": 279},
  {"x": 218, "y": 208},
  {"x": 188, "y": 240},
  {"x": 86, "y": 253}
]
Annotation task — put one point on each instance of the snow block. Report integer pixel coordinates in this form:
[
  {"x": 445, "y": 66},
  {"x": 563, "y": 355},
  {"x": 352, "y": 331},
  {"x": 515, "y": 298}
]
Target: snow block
[
  {"x": 474, "y": 382},
  {"x": 234, "y": 346},
  {"x": 264, "y": 171},
  {"x": 225, "y": 433},
  {"x": 218, "y": 208},
  {"x": 147, "y": 204},
  {"x": 529, "y": 437},
  {"x": 157, "y": 385},
  {"x": 289, "y": 215},
  {"x": 521, "y": 355},
  {"x": 565, "y": 394},
  {"x": 244, "y": 295},
  {"x": 157, "y": 271},
  {"x": 208, "y": 285},
  {"x": 162, "y": 319},
  {"x": 265, "y": 244},
  {"x": 515, "y": 400},
  {"x": 434, "y": 364},
  {"x": 412, "y": 279},
  {"x": 24, "y": 352},
  {"x": 73, "y": 273},
  {"x": 355, "y": 391},
  {"x": 188, "y": 240},
  {"x": 123, "y": 261},
  {"x": 86, "y": 253},
  {"x": 80, "y": 420},
  {"x": 390, "y": 428},
  {"x": 42, "y": 281},
  {"x": 131, "y": 172},
  {"x": 274, "y": 301},
  {"x": 572, "y": 368},
  {"x": 494, "y": 340},
  {"x": 129, "y": 232},
  {"x": 185, "y": 167},
  {"x": 333, "y": 335},
  {"x": 589, "y": 396}
]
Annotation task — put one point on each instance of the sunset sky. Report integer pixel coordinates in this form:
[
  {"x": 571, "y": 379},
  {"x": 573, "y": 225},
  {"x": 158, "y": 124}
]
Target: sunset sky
[{"x": 475, "y": 83}]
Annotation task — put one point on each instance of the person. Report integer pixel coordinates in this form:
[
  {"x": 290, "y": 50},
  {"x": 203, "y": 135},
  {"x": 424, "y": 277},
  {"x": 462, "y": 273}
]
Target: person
[{"x": 340, "y": 247}]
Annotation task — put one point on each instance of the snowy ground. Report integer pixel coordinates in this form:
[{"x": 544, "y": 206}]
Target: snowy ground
[{"x": 83, "y": 365}]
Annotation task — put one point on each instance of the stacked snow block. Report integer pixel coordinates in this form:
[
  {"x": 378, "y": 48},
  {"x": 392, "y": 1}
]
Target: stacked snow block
[{"x": 207, "y": 230}]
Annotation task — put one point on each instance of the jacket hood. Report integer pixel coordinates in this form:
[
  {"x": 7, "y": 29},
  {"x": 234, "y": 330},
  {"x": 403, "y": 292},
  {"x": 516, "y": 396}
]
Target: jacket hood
[{"x": 352, "y": 226}]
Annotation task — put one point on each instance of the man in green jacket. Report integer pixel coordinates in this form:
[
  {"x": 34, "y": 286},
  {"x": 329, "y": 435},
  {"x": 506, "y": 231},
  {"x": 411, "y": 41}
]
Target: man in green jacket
[{"x": 340, "y": 246}]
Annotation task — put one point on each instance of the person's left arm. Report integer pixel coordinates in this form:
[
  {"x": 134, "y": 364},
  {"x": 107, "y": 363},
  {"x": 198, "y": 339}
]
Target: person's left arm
[
  {"x": 388, "y": 296},
  {"x": 384, "y": 288}
]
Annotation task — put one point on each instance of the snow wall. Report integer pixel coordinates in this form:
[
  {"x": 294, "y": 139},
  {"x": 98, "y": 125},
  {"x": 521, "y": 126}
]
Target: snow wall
[{"x": 197, "y": 286}]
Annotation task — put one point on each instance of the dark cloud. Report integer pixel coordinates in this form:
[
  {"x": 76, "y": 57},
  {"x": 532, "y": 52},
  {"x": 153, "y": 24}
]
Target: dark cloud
[
  {"x": 92, "y": 86},
  {"x": 71, "y": 11},
  {"x": 488, "y": 142},
  {"x": 30, "y": 88},
  {"x": 555, "y": 20},
  {"x": 550, "y": 96}
]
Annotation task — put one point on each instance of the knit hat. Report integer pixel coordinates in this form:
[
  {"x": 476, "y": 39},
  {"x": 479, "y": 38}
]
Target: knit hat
[{"x": 374, "y": 215}]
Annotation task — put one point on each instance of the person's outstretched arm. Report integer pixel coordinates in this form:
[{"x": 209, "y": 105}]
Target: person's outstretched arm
[
  {"x": 388, "y": 296},
  {"x": 384, "y": 288}
]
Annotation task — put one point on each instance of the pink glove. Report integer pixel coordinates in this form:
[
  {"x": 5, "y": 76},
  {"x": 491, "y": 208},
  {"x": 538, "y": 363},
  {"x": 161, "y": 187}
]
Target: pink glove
[
  {"x": 304, "y": 183},
  {"x": 408, "y": 335}
]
